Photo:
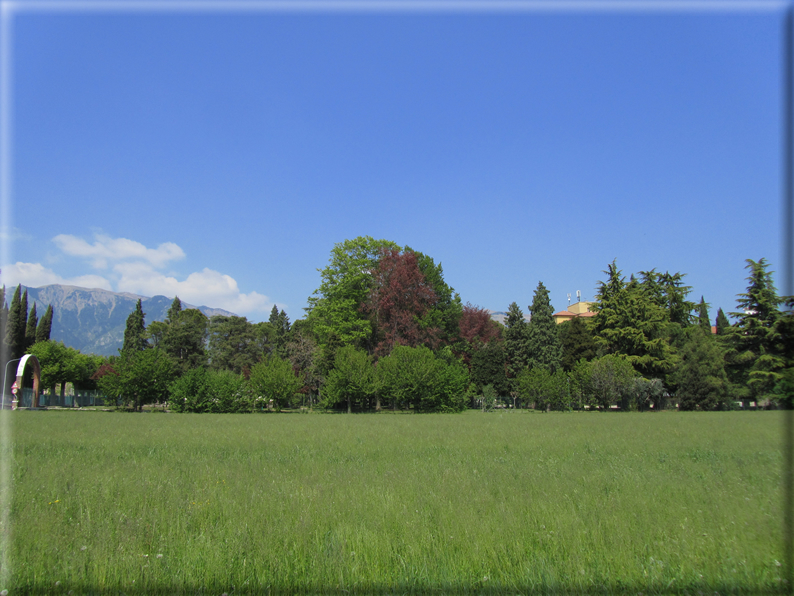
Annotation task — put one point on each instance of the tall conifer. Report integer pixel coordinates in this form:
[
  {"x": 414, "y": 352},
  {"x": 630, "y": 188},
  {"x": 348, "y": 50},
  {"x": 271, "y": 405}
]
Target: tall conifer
[
  {"x": 516, "y": 348},
  {"x": 543, "y": 341},
  {"x": 30, "y": 327},
  {"x": 45, "y": 325},
  {"x": 134, "y": 338},
  {"x": 174, "y": 310},
  {"x": 757, "y": 339},
  {"x": 15, "y": 327},
  {"x": 722, "y": 322},
  {"x": 703, "y": 316}
]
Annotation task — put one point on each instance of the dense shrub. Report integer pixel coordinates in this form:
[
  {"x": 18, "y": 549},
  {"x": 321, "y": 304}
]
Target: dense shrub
[
  {"x": 211, "y": 391},
  {"x": 273, "y": 379},
  {"x": 352, "y": 381},
  {"x": 417, "y": 378}
]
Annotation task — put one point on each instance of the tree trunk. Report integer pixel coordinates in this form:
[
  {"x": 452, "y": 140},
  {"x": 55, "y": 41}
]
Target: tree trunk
[{"x": 348, "y": 404}]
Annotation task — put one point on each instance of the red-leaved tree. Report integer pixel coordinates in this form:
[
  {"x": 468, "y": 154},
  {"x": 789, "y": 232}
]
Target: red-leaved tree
[
  {"x": 399, "y": 299},
  {"x": 476, "y": 324}
]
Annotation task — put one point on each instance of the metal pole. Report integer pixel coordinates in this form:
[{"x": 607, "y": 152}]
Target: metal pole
[{"x": 5, "y": 374}]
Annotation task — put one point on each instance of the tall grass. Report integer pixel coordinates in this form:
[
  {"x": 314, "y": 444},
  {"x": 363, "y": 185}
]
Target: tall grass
[{"x": 515, "y": 502}]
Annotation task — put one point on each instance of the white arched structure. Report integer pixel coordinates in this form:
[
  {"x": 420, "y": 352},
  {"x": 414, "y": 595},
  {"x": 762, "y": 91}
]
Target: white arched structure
[{"x": 29, "y": 358}]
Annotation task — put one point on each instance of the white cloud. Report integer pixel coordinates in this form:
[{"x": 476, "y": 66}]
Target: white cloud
[
  {"x": 135, "y": 268},
  {"x": 202, "y": 288},
  {"x": 106, "y": 249},
  {"x": 35, "y": 275}
]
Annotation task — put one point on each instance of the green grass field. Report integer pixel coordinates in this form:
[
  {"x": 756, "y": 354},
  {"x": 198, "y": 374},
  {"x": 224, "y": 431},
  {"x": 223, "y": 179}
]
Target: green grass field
[{"x": 517, "y": 502}]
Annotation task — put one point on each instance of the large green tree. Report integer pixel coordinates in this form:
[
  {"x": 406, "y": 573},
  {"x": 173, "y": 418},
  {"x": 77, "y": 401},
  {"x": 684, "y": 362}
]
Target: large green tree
[
  {"x": 335, "y": 307},
  {"x": 233, "y": 344},
  {"x": 543, "y": 341},
  {"x": 489, "y": 367},
  {"x": 352, "y": 381},
  {"x": 185, "y": 338},
  {"x": 631, "y": 321},
  {"x": 700, "y": 378},
  {"x": 139, "y": 377},
  {"x": 274, "y": 382},
  {"x": 426, "y": 382},
  {"x": 577, "y": 342}
]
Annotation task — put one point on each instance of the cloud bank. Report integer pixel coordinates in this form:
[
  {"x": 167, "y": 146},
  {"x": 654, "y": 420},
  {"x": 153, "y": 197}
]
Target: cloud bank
[{"x": 129, "y": 266}]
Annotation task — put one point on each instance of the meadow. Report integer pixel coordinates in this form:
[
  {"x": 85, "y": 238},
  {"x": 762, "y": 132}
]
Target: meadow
[{"x": 514, "y": 502}]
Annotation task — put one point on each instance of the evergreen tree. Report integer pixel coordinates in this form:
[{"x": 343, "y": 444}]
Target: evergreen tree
[
  {"x": 543, "y": 341},
  {"x": 45, "y": 325},
  {"x": 134, "y": 334},
  {"x": 702, "y": 383},
  {"x": 185, "y": 338},
  {"x": 15, "y": 327},
  {"x": 515, "y": 334},
  {"x": 24, "y": 324},
  {"x": 174, "y": 310},
  {"x": 703, "y": 316},
  {"x": 577, "y": 342},
  {"x": 3, "y": 321},
  {"x": 756, "y": 339},
  {"x": 279, "y": 322},
  {"x": 722, "y": 323},
  {"x": 30, "y": 327},
  {"x": 631, "y": 321},
  {"x": 488, "y": 366}
]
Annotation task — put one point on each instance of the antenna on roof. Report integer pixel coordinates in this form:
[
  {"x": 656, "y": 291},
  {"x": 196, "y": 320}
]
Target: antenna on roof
[
  {"x": 569, "y": 298},
  {"x": 578, "y": 296}
]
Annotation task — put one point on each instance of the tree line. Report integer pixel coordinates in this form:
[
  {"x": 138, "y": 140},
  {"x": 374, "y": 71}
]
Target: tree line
[{"x": 385, "y": 330}]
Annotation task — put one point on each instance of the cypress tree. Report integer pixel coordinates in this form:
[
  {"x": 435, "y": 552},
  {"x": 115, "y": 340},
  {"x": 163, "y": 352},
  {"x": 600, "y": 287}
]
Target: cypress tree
[
  {"x": 543, "y": 341},
  {"x": 134, "y": 338},
  {"x": 15, "y": 327},
  {"x": 24, "y": 313},
  {"x": 30, "y": 327},
  {"x": 703, "y": 316},
  {"x": 722, "y": 322},
  {"x": 45, "y": 325}
]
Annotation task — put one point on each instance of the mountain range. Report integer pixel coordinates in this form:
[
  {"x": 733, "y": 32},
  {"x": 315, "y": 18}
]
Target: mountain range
[{"x": 93, "y": 320}]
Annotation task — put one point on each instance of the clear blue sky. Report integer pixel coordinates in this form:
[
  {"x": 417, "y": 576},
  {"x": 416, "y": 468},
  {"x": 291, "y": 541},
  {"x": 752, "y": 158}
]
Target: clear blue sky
[{"x": 220, "y": 156}]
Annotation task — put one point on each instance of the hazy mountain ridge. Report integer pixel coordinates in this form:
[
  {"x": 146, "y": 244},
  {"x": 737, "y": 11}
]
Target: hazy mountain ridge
[{"x": 93, "y": 320}]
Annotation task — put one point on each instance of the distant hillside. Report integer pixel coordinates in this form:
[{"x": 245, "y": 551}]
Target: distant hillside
[
  {"x": 93, "y": 321},
  {"x": 499, "y": 316}
]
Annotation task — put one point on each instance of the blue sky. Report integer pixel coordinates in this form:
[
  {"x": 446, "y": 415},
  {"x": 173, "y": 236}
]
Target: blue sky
[{"x": 219, "y": 156}]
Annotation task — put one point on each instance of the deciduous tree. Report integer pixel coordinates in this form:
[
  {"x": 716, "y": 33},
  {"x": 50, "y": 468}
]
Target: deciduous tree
[
  {"x": 274, "y": 379},
  {"x": 399, "y": 301},
  {"x": 335, "y": 307}
]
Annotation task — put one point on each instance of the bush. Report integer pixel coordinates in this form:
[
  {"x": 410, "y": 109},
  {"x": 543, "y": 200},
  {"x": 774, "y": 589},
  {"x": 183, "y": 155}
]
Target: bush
[
  {"x": 415, "y": 377},
  {"x": 274, "y": 379},
  {"x": 211, "y": 391}
]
